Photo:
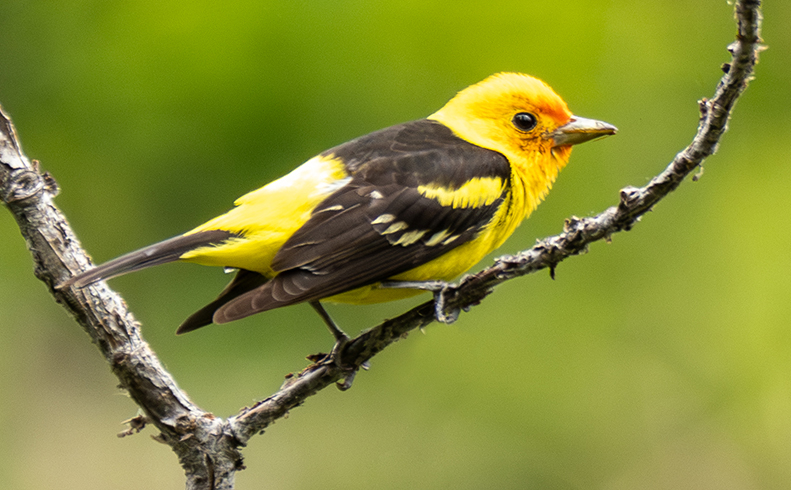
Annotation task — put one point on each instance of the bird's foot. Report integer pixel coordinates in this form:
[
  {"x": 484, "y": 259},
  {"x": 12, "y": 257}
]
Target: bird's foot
[
  {"x": 439, "y": 288},
  {"x": 334, "y": 358}
]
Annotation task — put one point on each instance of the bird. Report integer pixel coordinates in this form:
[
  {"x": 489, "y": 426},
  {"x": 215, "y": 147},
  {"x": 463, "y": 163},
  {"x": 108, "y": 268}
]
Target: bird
[{"x": 386, "y": 215}]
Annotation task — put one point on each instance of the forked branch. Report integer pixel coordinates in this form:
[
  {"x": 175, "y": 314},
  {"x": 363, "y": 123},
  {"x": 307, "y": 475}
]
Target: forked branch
[{"x": 207, "y": 446}]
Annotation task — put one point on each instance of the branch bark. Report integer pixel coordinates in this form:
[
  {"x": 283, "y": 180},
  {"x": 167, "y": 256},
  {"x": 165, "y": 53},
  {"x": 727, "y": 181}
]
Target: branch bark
[{"x": 208, "y": 447}]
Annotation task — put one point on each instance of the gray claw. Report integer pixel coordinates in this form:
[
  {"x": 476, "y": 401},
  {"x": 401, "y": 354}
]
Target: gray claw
[{"x": 346, "y": 383}]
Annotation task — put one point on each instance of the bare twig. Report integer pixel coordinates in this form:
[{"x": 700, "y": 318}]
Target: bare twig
[{"x": 207, "y": 446}]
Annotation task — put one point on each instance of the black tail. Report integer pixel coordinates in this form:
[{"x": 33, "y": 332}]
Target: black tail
[
  {"x": 243, "y": 282},
  {"x": 156, "y": 254}
]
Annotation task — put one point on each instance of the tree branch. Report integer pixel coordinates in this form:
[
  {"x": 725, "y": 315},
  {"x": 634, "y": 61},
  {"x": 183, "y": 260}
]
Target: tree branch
[
  {"x": 103, "y": 315},
  {"x": 207, "y": 446}
]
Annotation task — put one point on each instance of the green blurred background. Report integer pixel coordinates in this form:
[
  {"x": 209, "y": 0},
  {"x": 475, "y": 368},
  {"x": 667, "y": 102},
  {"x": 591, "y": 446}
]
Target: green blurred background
[{"x": 659, "y": 361}]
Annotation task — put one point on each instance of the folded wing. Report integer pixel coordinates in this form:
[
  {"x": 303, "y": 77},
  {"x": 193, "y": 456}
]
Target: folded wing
[{"x": 417, "y": 192}]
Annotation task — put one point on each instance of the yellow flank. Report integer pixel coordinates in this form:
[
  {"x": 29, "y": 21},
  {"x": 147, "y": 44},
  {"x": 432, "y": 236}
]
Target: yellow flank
[
  {"x": 473, "y": 194},
  {"x": 267, "y": 217}
]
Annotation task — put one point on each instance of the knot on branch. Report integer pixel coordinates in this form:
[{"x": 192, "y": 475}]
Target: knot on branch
[
  {"x": 570, "y": 225},
  {"x": 22, "y": 185},
  {"x": 575, "y": 238},
  {"x": 629, "y": 197},
  {"x": 703, "y": 104},
  {"x": 135, "y": 425}
]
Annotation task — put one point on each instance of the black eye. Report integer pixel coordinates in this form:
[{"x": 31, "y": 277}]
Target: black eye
[{"x": 524, "y": 121}]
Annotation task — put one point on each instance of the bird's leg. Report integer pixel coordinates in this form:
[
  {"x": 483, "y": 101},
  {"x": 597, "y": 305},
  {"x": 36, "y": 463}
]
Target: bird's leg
[
  {"x": 341, "y": 339},
  {"x": 439, "y": 288}
]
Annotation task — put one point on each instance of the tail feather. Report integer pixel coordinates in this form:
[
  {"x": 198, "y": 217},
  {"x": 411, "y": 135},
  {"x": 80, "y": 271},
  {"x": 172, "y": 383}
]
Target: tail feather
[
  {"x": 156, "y": 254},
  {"x": 287, "y": 288},
  {"x": 244, "y": 282}
]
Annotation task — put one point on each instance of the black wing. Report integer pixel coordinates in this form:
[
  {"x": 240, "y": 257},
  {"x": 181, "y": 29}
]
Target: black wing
[{"x": 379, "y": 224}]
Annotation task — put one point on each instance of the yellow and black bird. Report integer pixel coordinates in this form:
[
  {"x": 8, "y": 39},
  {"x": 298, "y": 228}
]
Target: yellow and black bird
[{"x": 420, "y": 201}]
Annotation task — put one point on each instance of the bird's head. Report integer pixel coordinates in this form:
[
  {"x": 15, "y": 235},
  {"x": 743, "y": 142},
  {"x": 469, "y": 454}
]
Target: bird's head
[{"x": 521, "y": 117}]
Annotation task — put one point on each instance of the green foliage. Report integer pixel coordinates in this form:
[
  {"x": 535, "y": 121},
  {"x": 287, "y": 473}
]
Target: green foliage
[{"x": 659, "y": 361}]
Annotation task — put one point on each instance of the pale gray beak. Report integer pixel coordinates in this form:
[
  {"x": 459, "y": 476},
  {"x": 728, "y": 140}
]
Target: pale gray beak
[{"x": 579, "y": 130}]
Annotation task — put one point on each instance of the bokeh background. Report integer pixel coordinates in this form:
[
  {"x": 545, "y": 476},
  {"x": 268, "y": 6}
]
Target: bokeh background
[{"x": 659, "y": 361}]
